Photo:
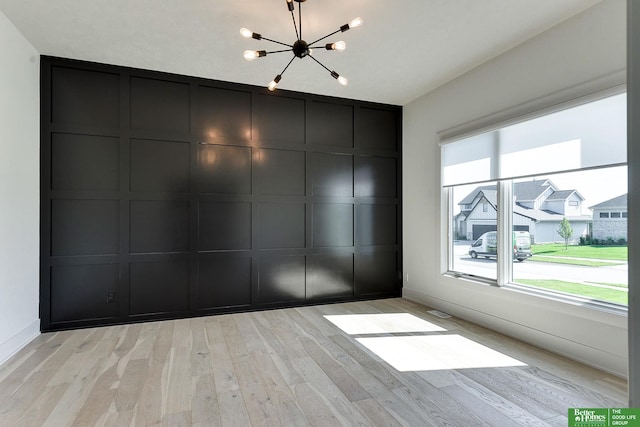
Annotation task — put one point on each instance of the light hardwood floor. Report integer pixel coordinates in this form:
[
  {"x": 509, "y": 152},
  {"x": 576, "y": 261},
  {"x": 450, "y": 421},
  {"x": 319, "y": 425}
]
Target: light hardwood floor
[{"x": 296, "y": 367}]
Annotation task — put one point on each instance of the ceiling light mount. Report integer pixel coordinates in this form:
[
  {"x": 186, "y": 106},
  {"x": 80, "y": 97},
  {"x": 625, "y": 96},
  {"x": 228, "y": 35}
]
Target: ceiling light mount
[{"x": 300, "y": 48}]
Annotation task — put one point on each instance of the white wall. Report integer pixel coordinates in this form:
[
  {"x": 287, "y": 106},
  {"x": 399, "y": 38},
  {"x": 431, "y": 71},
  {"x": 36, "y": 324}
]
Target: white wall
[
  {"x": 19, "y": 189},
  {"x": 585, "y": 51}
]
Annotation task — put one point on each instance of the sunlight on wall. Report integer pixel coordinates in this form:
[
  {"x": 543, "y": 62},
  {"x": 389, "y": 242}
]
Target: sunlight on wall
[{"x": 429, "y": 347}]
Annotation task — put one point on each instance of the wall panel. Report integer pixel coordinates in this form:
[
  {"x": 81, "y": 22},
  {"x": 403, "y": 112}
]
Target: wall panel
[{"x": 168, "y": 196}]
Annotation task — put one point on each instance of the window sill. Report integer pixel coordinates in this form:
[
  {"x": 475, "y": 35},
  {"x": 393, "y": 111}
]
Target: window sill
[{"x": 602, "y": 306}]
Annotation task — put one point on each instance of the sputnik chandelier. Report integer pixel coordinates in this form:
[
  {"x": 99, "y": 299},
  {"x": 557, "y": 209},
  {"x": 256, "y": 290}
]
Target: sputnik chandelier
[{"x": 300, "y": 48}]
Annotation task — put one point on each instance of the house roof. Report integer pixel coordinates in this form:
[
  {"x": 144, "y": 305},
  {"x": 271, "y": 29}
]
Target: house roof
[
  {"x": 616, "y": 202},
  {"x": 546, "y": 215},
  {"x": 491, "y": 196},
  {"x": 528, "y": 191},
  {"x": 523, "y": 191},
  {"x": 564, "y": 195},
  {"x": 472, "y": 196}
]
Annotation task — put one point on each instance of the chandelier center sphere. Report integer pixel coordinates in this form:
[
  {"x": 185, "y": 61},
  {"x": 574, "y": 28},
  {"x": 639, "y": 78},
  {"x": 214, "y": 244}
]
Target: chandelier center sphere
[{"x": 300, "y": 48}]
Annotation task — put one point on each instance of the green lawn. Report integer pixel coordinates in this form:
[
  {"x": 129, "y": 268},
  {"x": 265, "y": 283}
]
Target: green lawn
[
  {"x": 594, "y": 292},
  {"x": 617, "y": 253}
]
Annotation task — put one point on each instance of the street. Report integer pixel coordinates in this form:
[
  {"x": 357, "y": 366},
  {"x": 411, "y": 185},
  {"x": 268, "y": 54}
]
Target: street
[{"x": 539, "y": 270}]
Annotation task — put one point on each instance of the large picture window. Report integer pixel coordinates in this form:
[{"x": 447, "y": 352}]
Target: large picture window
[{"x": 541, "y": 203}]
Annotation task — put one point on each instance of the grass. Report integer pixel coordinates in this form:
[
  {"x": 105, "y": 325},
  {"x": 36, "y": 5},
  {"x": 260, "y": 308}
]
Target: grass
[
  {"x": 584, "y": 262},
  {"x": 593, "y": 292},
  {"x": 617, "y": 253}
]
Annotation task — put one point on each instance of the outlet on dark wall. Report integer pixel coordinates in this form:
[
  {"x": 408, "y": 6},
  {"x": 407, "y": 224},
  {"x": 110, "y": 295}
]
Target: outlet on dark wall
[{"x": 184, "y": 196}]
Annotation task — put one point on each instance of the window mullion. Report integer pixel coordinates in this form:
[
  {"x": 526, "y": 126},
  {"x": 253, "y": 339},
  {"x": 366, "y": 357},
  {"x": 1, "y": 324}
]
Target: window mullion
[{"x": 505, "y": 233}]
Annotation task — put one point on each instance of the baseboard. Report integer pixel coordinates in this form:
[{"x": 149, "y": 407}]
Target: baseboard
[
  {"x": 589, "y": 356},
  {"x": 14, "y": 344}
]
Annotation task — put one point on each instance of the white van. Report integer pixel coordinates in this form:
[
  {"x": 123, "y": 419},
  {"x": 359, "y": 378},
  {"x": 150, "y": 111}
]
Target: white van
[{"x": 487, "y": 245}]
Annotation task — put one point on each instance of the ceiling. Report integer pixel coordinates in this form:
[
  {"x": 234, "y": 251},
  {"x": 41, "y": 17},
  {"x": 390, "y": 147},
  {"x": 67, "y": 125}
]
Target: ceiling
[{"x": 404, "y": 49}]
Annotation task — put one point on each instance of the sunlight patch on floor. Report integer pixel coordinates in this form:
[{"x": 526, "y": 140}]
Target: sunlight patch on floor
[
  {"x": 383, "y": 323},
  {"x": 436, "y": 352}
]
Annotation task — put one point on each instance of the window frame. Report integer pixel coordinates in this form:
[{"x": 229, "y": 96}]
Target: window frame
[{"x": 608, "y": 86}]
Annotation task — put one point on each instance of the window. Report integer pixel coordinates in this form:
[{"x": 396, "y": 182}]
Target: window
[
  {"x": 472, "y": 254},
  {"x": 527, "y": 171},
  {"x": 580, "y": 265}
]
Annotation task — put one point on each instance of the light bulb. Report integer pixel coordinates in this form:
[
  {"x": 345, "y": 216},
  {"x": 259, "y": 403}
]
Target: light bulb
[
  {"x": 250, "y": 55},
  {"x": 246, "y": 32},
  {"x": 343, "y": 81},
  {"x": 272, "y": 85},
  {"x": 340, "y": 45},
  {"x": 356, "y": 22}
]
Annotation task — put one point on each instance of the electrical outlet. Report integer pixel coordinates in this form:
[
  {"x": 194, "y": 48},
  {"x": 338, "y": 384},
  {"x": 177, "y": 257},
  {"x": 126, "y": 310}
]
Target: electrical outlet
[{"x": 111, "y": 297}]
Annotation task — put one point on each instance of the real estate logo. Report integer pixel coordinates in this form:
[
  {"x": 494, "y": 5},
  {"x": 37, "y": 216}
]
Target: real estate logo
[
  {"x": 588, "y": 417},
  {"x": 603, "y": 417}
]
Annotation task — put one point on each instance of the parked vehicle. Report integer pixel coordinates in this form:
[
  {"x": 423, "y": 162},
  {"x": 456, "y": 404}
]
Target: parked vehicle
[{"x": 487, "y": 245}]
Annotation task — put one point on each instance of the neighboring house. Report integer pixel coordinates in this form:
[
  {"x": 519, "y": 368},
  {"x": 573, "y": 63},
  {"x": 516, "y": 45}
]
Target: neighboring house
[
  {"x": 610, "y": 219},
  {"x": 539, "y": 208}
]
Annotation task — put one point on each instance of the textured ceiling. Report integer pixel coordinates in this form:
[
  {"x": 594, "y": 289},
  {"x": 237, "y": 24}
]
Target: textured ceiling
[{"x": 404, "y": 49}]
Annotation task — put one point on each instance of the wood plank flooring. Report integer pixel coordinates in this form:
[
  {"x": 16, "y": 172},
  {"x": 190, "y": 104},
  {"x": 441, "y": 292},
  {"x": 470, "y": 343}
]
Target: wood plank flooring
[{"x": 295, "y": 367}]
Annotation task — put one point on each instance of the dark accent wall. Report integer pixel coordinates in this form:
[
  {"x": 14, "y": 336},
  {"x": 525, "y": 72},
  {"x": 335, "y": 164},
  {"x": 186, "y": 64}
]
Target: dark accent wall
[{"x": 166, "y": 196}]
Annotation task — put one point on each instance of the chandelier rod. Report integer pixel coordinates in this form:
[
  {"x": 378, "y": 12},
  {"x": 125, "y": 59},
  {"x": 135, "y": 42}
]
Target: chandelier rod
[
  {"x": 300, "y": 18},
  {"x": 278, "y": 51},
  {"x": 321, "y": 64},
  {"x": 285, "y": 68},
  {"x": 295, "y": 26},
  {"x": 322, "y": 38},
  {"x": 276, "y": 41}
]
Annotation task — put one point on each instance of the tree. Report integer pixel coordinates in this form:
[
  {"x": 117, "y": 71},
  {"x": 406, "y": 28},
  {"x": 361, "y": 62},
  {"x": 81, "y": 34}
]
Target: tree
[{"x": 565, "y": 231}]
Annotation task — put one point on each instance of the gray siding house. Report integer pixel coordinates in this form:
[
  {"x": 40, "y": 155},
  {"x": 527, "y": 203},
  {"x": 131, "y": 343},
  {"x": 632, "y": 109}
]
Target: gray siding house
[{"x": 539, "y": 208}]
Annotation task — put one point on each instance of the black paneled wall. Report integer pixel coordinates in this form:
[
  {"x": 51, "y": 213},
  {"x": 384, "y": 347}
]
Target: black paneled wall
[{"x": 166, "y": 196}]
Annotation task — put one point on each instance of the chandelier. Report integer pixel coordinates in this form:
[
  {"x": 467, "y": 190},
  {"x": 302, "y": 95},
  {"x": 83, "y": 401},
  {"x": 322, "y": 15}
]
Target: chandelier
[{"x": 300, "y": 49}]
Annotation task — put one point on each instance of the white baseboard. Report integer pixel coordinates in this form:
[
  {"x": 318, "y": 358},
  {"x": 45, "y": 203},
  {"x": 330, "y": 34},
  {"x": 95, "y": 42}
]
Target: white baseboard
[
  {"x": 14, "y": 344},
  {"x": 583, "y": 353}
]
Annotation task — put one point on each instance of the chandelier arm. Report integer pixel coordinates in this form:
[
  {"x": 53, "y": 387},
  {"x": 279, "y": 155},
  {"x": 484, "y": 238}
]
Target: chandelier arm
[
  {"x": 276, "y": 41},
  {"x": 322, "y": 38},
  {"x": 285, "y": 68},
  {"x": 295, "y": 26},
  {"x": 300, "y": 18},
  {"x": 321, "y": 64},
  {"x": 320, "y": 46},
  {"x": 279, "y": 51}
]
